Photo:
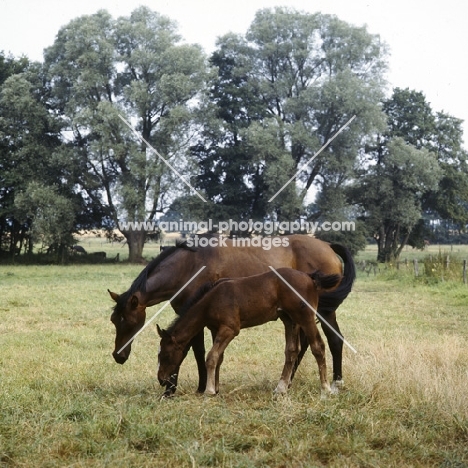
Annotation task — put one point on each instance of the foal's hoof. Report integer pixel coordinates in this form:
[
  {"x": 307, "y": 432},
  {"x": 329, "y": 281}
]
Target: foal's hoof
[{"x": 281, "y": 389}]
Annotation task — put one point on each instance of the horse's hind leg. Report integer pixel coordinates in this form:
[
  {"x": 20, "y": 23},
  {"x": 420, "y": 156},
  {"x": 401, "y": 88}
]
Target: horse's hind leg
[
  {"x": 291, "y": 332},
  {"x": 213, "y": 360},
  {"x": 335, "y": 343}
]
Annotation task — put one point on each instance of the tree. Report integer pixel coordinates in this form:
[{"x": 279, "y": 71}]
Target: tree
[
  {"x": 280, "y": 93},
  {"x": 100, "y": 69},
  {"x": 8, "y": 227},
  {"x": 30, "y": 145},
  {"x": 391, "y": 193},
  {"x": 51, "y": 217},
  {"x": 416, "y": 170},
  {"x": 450, "y": 201}
]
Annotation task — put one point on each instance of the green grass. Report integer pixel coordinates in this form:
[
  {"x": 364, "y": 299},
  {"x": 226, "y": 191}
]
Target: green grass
[{"x": 64, "y": 402}]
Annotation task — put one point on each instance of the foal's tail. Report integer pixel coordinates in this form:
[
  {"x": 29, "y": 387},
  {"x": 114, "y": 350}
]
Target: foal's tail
[
  {"x": 329, "y": 301},
  {"x": 324, "y": 282}
]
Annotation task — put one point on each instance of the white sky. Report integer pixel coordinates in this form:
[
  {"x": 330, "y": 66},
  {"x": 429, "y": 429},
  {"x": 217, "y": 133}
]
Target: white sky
[{"x": 427, "y": 40}]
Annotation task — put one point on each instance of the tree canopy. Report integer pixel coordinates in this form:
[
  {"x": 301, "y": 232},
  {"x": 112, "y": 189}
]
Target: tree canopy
[
  {"x": 75, "y": 130},
  {"x": 280, "y": 92},
  {"x": 134, "y": 67}
]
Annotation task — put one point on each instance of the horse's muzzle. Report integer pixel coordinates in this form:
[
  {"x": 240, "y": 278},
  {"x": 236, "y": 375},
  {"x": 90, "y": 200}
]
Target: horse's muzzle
[{"x": 119, "y": 358}]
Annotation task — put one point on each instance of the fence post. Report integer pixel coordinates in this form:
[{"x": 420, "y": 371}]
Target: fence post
[
  {"x": 416, "y": 267},
  {"x": 464, "y": 271}
]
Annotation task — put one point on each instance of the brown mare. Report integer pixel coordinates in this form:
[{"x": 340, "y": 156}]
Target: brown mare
[
  {"x": 229, "y": 305},
  {"x": 169, "y": 271}
]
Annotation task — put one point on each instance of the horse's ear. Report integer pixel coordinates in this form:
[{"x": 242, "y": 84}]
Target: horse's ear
[{"x": 114, "y": 295}]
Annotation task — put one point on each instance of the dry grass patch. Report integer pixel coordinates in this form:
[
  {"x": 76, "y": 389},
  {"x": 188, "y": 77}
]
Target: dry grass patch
[{"x": 64, "y": 402}]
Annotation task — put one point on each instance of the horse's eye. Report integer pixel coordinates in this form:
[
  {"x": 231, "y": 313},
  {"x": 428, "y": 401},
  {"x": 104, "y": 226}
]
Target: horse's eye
[{"x": 122, "y": 319}]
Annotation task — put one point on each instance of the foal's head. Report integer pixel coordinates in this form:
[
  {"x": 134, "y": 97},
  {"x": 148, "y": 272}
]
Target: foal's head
[
  {"x": 171, "y": 354},
  {"x": 128, "y": 317}
]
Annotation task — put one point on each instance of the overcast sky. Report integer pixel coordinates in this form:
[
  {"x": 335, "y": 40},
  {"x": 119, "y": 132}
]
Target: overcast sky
[{"x": 427, "y": 40}]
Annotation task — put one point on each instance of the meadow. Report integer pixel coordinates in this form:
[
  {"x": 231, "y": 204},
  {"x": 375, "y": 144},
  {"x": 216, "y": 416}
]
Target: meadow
[{"x": 64, "y": 402}]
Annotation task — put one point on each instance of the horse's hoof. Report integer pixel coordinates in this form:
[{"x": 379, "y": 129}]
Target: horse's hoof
[{"x": 336, "y": 386}]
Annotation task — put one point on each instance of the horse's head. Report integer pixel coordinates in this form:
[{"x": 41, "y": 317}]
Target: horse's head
[
  {"x": 128, "y": 317},
  {"x": 170, "y": 356}
]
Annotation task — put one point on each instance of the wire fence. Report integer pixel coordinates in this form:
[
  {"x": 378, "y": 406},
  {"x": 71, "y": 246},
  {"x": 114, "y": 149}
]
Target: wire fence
[{"x": 445, "y": 267}]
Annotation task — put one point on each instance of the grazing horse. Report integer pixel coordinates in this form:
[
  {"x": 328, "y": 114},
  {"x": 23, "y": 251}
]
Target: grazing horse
[
  {"x": 229, "y": 305},
  {"x": 174, "y": 267}
]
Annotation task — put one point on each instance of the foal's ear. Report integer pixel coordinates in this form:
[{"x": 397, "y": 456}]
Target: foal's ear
[
  {"x": 161, "y": 333},
  {"x": 134, "y": 303},
  {"x": 114, "y": 295}
]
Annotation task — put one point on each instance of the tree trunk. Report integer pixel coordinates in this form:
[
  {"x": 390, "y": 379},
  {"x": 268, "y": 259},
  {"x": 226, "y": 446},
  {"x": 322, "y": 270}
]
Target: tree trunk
[
  {"x": 136, "y": 242},
  {"x": 385, "y": 252}
]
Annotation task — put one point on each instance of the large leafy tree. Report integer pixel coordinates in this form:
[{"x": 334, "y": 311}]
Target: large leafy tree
[
  {"x": 10, "y": 230},
  {"x": 282, "y": 91},
  {"x": 450, "y": 201},
  {"x": 31, "y": 154},
  {"x": 391, "y": 193},
  {"x": 417, "y": 167},
  {"x": 100, "y": 69}
]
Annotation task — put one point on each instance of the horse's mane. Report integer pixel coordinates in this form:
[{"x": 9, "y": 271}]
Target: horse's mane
[
  {"x": 139, "y": 284},
  {"x": 195, "y": 298}
]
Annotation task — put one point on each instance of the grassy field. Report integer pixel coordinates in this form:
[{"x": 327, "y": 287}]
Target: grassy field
[{"x": 65, "y": 403}]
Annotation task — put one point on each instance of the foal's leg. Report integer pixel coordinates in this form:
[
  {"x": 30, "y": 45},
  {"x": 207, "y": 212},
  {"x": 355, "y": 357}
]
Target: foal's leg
[
  {"x": 335, "y": 343},
  {"x": 223, "y": 337},
  {"x": 220, "y": 361},
  {"x": 318, "y": 350},
  {"x": 303, "y": 346},
  {"x": 291, "y": 332}
]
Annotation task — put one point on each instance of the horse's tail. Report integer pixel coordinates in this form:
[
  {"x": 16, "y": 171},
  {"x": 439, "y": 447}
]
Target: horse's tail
[{"x": 329, "y": 301}]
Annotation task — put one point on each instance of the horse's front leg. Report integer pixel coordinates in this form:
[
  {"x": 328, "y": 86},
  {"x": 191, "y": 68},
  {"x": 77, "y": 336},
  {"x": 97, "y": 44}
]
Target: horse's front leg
[
  {"x": 291, "y": 351},
  {"x": 198, "y": 346},
  {"x": 214, "y": 358}
]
